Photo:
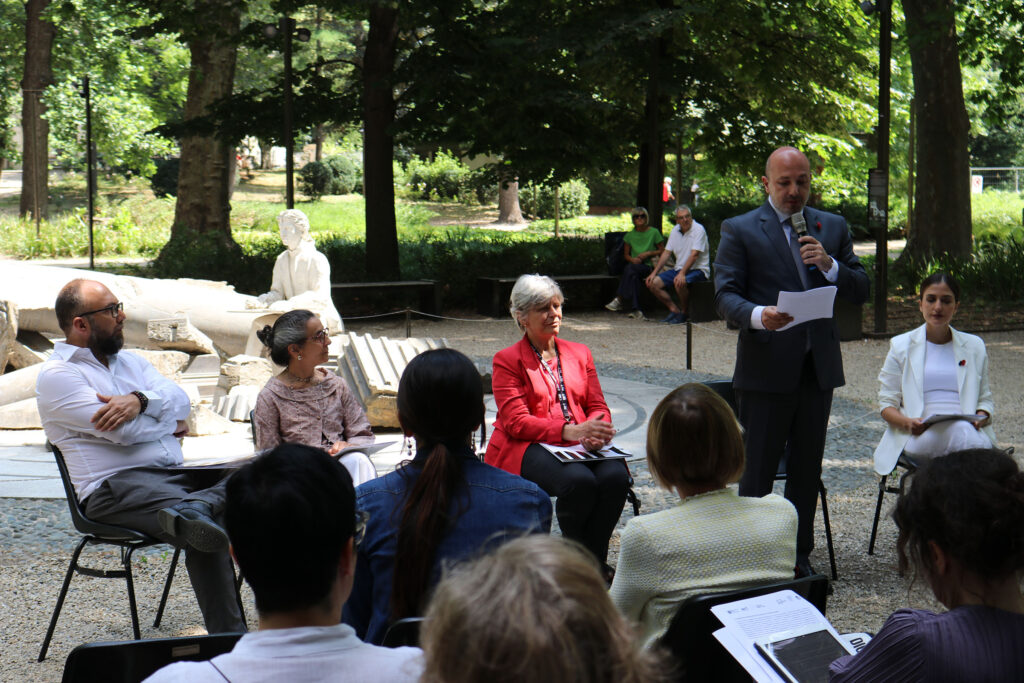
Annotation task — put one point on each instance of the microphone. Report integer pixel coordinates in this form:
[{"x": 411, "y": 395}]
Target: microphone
[{"x": 800, "y": 230}]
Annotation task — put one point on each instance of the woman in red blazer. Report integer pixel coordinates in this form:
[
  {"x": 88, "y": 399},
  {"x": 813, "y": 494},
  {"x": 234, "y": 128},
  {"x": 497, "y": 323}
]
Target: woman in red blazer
[{"x": 547, "y": 391}]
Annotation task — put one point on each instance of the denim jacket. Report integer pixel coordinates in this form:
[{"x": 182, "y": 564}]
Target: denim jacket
[{"x": 495, "y": 506}]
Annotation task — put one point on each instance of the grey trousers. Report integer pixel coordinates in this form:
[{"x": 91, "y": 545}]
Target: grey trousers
[{"x": 131, "y": 498}]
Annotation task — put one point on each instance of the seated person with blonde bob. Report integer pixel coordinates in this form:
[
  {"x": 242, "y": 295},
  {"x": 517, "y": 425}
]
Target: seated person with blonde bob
[
  {"x": 962, "y": 530},
  {"x": 712, "y": 540},
  {"x": 535, "y": 609}
]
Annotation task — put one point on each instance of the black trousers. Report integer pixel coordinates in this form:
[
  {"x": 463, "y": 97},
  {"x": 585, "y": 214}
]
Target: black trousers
[
  {"x": 131, "y": 498},
  {"x": 632, "y": 283},
  {"x": 589, "y": 496},
  {"x": 794, "y": 424}
]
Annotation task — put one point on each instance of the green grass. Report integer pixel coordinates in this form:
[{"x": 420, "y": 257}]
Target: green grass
[{"x": 584, "y": 225}]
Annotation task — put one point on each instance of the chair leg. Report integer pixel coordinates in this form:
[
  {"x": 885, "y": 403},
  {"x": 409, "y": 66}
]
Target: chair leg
[
  {"x": 828, "y": 529},
  {"x": 60, "y": 598},
  {"x": 238, "y": 594},
  {"x": 127, "y": 560},
  {"x": 167, "y": 588},
  {"x": 878, "y": 512},
  {"x": 632, "y": 498}
]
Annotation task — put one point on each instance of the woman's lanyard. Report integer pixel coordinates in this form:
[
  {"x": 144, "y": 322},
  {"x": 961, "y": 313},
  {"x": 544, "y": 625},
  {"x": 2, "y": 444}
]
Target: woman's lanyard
[{"x": 563, "y": 398}]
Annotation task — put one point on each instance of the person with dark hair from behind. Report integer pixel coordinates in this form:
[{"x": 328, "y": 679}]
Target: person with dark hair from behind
[
  {"x": 962, "y": 530},
  {"x": 294, "y": 532},
  {"x": 442, "y": 506},
  {"x": 535, "y": 609},
  {"x": 712, "y": 539}
]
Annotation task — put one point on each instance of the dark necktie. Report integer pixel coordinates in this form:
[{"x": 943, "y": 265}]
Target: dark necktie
[{"x": 794, "y": 248}]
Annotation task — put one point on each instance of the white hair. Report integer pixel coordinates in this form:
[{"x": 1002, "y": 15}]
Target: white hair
[{"x": 531, "y": 292}]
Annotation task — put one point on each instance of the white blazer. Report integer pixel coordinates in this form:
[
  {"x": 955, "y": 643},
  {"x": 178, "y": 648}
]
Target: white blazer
[{"x": 902, "y": 380}]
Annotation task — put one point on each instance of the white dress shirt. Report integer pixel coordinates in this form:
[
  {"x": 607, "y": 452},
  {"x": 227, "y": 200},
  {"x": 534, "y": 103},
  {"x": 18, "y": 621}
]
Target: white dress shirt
[
  {"x": 301, "y": 655},
  {"x": 66, "y": 392}
]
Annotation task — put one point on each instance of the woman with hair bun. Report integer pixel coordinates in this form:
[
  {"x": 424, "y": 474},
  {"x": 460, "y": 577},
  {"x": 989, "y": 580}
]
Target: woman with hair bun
[
  {"x": 442, "y": 506},
  {"x": 962, "y": 530},
  {"x": 307, "y": 404}
]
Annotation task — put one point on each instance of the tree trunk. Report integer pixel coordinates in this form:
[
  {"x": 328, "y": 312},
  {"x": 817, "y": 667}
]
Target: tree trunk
[
  {"x": 652, "y": 151},
  {"x": 204, "y": 179},
  {"x": 378, "y": 145},
  {"x": 38, "y": 74},
  {"x": 942, "y": 204},
  {"x": 508, "y": 202},
  {"x": 265, "y": 156}
]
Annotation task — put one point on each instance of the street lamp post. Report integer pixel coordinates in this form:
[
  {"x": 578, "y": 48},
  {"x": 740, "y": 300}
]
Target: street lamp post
[
  {"x": 90, "y": 163},
  {"x": 286, "y": 26},
  {"x": 878, "y": 178}
]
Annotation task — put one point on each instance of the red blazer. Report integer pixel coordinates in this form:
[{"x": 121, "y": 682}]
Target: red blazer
[{"x": 524, "y": 401}]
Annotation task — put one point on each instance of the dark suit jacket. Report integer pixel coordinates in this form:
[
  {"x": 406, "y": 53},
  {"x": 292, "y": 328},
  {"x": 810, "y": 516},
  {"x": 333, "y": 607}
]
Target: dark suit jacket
[
  {"x": 524, "y": 402},
  {"x": 753, "y": 264}
]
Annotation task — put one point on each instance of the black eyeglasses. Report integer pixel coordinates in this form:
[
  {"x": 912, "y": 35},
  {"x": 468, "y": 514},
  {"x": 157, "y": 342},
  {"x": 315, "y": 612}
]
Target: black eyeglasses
[
  {"x": 320, "y": 337},
  {"x": 638, "y": 215},
  {"x": 362, "y": 517},
  {"x": 113, "y": 309}
]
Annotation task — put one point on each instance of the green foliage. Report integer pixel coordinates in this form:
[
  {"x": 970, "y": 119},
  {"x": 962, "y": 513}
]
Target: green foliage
[
  {"x": 992, "y": 273},
  {"x": 346, "y": 173},
  {"x": 997, "y": 215},
  {"x": 437, "y": 179},
  {"x": 539, "y": 199},
  {"x": 165, "y": 180},
  {"x": 315, "y": 180},
  {"x": 612, "y": 188}
]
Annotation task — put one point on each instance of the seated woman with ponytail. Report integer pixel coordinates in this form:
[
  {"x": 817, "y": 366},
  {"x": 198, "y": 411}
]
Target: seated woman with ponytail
[{"x": 442, "y": 506}]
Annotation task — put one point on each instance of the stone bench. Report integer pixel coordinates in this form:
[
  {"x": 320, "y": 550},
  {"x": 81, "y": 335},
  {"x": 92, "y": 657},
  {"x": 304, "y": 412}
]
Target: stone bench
[
  {"x": 583, "y": 291},
  {"x": 428, "y": 292}
]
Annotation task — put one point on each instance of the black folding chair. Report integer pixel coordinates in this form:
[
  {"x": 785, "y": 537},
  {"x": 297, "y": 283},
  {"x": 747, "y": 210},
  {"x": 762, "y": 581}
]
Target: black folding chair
[
  {"x": 690, "y": 636},
  {"x": 131, "y": 661},
  {"x": 96, "y": 533},
  {"x": 724, "y": 389},
  {"x": 403, "y": 632}
]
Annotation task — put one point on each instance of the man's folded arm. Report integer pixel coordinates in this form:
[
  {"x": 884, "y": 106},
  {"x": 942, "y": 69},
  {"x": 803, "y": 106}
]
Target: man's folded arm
[{"x": 66, "y": 399}]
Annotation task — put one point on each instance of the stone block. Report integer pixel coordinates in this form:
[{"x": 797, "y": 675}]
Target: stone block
[
  {"x": 167, "y": 363},
  {"x": 237, "y": 403},
  {"x": 242, "y": 370},
  {"x": 8, "y": 330},
  {"x": 19, "y": 385},
  {"x": 178, "y": 334},
  {"x": 20, "y": 415},
  {"x": 202, "y": 421}
]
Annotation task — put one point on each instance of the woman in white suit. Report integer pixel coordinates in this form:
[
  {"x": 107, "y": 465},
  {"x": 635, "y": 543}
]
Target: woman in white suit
[{"x": 934, "y": 370}]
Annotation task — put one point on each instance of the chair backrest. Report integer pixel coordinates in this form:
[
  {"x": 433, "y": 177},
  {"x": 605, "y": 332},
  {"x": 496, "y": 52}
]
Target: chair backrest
[
  {"x": 723, "y": 387},
  {"x": 131, "y": 661},
  {"x": 403, "y": 632},
  {"x": 690, "y": 636},
  {"x": 82, "y": 523}
]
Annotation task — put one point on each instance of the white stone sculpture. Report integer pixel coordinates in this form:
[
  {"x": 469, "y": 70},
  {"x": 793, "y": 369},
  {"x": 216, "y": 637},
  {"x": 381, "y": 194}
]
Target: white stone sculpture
[{"x": 302, "y": 275}]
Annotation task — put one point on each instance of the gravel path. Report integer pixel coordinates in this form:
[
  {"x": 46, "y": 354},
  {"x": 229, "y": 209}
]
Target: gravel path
[{"x": 36, "y": 536}]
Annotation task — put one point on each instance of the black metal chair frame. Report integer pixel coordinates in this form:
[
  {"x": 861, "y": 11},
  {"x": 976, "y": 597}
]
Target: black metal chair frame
[
  {"x": 133, "y": 660},
  {"x": 690, "y": 639},
  {"x": 724, "y": 389},
  {"x": 96, "y": 533},
  {"x": 404, "y": 632},
  {"x": 885, "y": 487}
]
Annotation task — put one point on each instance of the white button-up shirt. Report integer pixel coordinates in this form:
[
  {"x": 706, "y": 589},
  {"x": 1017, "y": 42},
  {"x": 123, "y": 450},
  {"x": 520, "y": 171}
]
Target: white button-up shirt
[{"x": 66, "y": 393}]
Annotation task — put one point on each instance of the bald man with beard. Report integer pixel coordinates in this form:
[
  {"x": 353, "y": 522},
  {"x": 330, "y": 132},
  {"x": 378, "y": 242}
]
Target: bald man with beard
[{"x": 117, "y": 422}]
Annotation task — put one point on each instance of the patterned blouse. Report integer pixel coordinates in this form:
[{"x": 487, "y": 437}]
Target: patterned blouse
[{"x": 316, "y": 416}]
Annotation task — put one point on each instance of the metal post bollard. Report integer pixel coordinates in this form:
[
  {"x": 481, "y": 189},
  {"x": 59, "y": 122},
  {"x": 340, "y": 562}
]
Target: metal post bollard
[
  {"x": 689, "y": 345},
  {"x": 408, "y": 323}
]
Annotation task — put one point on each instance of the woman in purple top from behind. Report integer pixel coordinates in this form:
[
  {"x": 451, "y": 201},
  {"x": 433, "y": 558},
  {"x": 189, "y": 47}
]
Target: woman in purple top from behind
[{"x": 962, "y": 529}]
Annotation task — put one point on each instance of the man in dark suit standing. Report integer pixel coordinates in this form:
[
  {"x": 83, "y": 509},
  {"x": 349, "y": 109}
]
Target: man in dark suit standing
[{"x": 784, "y": 378}]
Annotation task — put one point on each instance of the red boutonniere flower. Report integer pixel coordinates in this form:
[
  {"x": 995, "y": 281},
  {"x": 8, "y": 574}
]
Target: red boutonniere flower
[
  {"x": 963, "y": 363},
  {"x": 817, "y": 224}
]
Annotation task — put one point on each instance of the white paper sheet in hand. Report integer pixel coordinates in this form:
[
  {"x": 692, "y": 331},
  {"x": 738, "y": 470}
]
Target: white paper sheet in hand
[{"x": 810, "y": 305}]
